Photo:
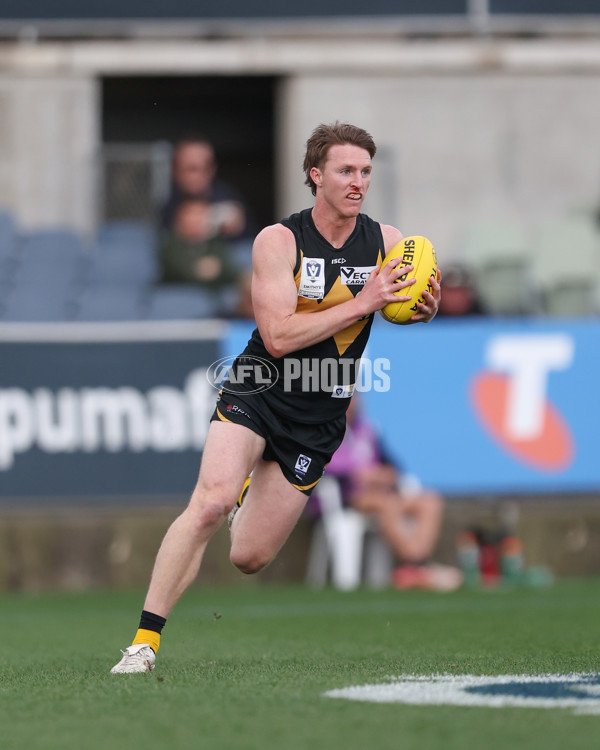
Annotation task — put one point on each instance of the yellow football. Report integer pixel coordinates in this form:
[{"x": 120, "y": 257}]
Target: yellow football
[{"x": 419, "y": 253}]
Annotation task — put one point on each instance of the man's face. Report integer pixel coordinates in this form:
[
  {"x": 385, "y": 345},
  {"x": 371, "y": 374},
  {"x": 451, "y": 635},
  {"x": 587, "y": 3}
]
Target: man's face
[
  {"x": 344, "y": 179},
  {"x": 194, "y": 168}
]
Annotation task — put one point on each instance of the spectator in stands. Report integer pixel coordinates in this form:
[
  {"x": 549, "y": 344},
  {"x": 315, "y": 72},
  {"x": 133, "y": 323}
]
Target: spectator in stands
[
  {"x": 459, "y": 293},
  {"x": 194, "y": 176},
  {"x": 206, "y": 230},
  {"x": 195, "y": 252},
  {"x": 409, "y": 517}
]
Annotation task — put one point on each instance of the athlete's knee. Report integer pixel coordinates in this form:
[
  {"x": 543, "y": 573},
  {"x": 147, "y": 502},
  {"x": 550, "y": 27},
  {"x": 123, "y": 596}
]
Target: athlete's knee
[
  {"x": 249, "y": 561},
  {"x": 209, "y": 507},
  {"x": 204, "y": 519}
]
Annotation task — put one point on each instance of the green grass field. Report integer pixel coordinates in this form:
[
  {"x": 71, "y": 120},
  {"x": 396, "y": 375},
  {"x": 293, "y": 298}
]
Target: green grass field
[{"x": 246, "y": 667}]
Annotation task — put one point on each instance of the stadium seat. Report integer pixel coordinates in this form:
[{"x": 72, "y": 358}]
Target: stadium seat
[
  {"x": 241, "y": 253},
  {"x": 567, "y": 264},
  {"x": 34, "y": 304},
  {"x": 8, "y": 235},
  {"x": 42, "y": 282},
  {"x": 498, "y": 253},
  {"x": 113, "y": 265},
  {"x": 182, "y": 303},
  {"x": 111, "y": 303},
  {"x": 7, "y": 271},
  {"x": 51, "y": 254},
  {"x": 47, "y": 241},
  {"x": 126, "y": 234},
  {"x": 124, "y": 251}
]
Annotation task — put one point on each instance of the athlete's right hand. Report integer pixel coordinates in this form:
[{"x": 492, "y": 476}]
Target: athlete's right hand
[{"x": 382, "y": 285}]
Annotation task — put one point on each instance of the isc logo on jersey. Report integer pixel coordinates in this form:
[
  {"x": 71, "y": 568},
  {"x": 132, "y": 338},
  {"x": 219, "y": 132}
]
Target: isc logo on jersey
[{"x": 355, "y": 275}]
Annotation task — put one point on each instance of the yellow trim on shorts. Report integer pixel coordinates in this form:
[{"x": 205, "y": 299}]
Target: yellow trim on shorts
[
  {"x": 305, "y": 486},
  {"x": 221, "y": 417}
]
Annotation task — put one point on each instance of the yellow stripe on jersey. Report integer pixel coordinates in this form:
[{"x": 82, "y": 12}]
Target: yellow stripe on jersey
[
  {"x": 335, "y": 296},
  {"x": 344, "y": 338}
]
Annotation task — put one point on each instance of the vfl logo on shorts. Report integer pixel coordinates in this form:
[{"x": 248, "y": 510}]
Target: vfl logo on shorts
[
  {"x": 302, "y": 464},
  {"x": 342, "y": 391}
]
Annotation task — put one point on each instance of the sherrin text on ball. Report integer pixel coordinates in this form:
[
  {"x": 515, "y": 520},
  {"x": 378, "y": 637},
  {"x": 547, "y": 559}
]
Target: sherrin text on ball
[{"x": 418, "y": 252}]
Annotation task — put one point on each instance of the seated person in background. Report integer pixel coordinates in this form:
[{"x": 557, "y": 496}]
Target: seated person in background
[
  {"x": 459, "y": 294},
  {"x": 408, "y": 517},
  {"x": 194, "y": 177},
  {"x": 195, "y": 253}
]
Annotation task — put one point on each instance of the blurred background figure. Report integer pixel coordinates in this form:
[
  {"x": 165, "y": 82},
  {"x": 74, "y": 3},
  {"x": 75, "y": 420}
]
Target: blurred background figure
[
  {"x": 205, "y": 231},
  {"x": 194, "y": 176},
  {"x": 194, "y": 251},
  {"x": 408, "y": 516},
  {"x": 459, "y": 292}
]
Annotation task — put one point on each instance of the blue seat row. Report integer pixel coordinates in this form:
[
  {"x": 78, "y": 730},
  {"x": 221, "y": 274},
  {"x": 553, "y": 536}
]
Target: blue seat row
[{"x": 54, "y": 275}]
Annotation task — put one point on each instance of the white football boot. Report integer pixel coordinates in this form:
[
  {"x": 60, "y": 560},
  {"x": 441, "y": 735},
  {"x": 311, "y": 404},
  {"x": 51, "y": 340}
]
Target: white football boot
[{"x": 136, "y": 659}]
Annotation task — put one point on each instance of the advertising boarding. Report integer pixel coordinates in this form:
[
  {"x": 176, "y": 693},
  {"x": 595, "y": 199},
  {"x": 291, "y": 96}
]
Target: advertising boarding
[{"x": 120, "y": 412}]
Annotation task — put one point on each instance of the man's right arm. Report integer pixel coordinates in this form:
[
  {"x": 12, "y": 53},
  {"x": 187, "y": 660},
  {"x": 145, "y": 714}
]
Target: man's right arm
[{"x": 275, "y": 296}]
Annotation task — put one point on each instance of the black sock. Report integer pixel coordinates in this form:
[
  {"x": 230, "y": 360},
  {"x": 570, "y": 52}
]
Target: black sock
[{"x": 150, "y": 621}]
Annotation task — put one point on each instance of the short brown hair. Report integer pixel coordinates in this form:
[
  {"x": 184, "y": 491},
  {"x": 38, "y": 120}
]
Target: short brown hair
[{"x": 324, "y": 137}]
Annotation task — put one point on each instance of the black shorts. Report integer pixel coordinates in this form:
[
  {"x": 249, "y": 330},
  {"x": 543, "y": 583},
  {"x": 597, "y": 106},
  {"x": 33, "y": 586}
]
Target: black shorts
[{"x": 301, "y": 450}]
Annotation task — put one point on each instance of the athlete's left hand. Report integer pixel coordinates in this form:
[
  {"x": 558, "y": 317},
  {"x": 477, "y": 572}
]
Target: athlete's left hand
[{"x": 431, "y": 301}]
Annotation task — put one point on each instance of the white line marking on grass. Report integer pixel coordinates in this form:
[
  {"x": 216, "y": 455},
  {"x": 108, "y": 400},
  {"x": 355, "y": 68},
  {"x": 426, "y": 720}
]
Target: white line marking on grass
[{"x": 578, "y": 692}]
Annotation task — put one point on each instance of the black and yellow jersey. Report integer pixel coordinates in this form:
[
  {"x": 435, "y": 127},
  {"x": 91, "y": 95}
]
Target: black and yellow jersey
[{"x": 314, "y": 384}]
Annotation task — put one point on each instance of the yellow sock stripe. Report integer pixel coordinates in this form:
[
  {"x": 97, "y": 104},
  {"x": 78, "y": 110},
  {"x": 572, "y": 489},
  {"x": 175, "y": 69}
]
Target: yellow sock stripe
[{"x": 150, "y": 637}]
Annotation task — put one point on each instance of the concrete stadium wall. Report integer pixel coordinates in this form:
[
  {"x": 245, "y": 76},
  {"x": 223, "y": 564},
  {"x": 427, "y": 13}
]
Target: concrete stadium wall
[
  {"x": 49, "y": 134},
  {"x": 457, "y": 148},
  {"x": 74, "y": 549},
  {"x": 466, "y": 128}
]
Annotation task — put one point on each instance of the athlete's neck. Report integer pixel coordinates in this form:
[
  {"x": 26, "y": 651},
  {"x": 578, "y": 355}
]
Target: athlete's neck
[{"x": 335, "y": 230}]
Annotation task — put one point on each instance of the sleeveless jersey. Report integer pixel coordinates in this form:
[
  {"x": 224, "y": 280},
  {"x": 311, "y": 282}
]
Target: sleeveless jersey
[{"x": 314, "y": 384}]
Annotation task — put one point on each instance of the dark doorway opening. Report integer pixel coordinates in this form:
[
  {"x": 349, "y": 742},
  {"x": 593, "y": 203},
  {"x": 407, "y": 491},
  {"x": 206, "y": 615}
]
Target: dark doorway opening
[{"x": 236, "y": 113}]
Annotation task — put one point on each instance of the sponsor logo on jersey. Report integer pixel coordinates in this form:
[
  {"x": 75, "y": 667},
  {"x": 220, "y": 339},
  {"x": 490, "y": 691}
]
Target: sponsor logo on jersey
[
  {"x": 355, "y": 275},
  {"x": 302, "y": 464},
  {"x": 312, "y": 279},
  {"x": 339, "y": 260}
]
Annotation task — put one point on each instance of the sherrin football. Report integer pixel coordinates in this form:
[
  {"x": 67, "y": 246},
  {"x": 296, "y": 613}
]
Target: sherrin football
[{"x": 419, "y": 253}]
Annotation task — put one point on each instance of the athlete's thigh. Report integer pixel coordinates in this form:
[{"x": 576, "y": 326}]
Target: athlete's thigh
[
  {"x": 229, "y": 455},
  {"x": 270, "y": 511}
]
